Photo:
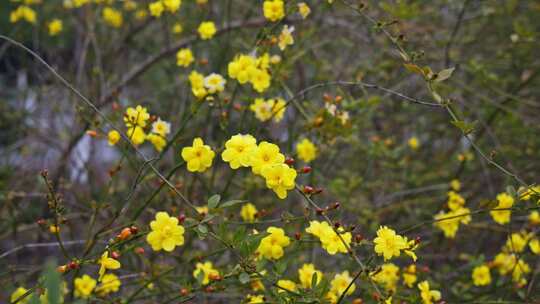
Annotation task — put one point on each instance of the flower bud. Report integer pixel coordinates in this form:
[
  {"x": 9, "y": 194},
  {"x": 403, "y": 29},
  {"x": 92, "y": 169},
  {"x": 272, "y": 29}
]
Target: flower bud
[
  {"x": 115, "y": 255},
  {"x": 306, "y": 169},
  {"x": 289, "y": 161}
]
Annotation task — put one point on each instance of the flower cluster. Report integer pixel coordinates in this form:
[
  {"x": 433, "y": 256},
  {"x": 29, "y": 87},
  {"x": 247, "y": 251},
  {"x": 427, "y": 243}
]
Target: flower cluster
[
  {"x": 271, "y": 246},
  {"x": 333, "y": 241},
  {"x": 449, "y": 221},
  {"x": 255, "y": 70},
  {"x": 389, "y": 244}
]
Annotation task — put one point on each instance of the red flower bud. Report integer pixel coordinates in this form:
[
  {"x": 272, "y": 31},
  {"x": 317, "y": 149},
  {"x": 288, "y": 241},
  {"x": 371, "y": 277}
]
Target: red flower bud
[
  {"x": 184, "y": 291},
  {"x": 181, "y": 218},
  {"x": 289, "y": 161},
  {"x": 139, "y": 250},
  {"x": 297, "y": 236},
  {"x": 307, "y": 189},
  {"x": 73, "y": 265},
  {"x": 134, "y": 229},
  {"x": 115, "y": 255},
  {"x": 306, "y": 169}
]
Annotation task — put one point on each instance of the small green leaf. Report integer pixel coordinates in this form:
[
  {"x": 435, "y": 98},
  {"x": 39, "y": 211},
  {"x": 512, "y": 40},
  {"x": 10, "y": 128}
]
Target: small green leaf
[
  {"x": 213, "y": 201},
  {"x": 314, "y": 280},
  {"x": 52, "y": 283},
  {"x": 231, "y": 203},
  {"x": 444, "y": 74}
]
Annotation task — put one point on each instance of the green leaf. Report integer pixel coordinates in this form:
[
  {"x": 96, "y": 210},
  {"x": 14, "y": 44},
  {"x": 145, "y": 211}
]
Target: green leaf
[
  {"x": 444, "y": 74},
  {"x": 213, "y": 201},
  {"x": 231, "y": 203},
  {"x": 314, "y": 280},
  {"x": 244, "y": 278},
  {"x": 465, "y": 127},
  {"x": 52, "y": 283}
]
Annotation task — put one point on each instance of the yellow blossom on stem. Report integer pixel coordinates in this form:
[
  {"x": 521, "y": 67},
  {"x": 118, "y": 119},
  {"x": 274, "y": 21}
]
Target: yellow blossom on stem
[
  {"x": 248, "y": 212},
  {"x": 272, "y": 108},
  {"x": 285, "y": 37},
  {"x": 304, "y": 10},
  {"x": 339, "y": 284},
  {"x": 260, "y": 79},
  {"x": 266, "y": 154},
  {"x": 238, "y": 150},
  {"x": 196, "y": 80},
  {"x": 206, "y": 270},
  {"x": 172, "y": 5},
  {"x": 55, "y": 26},
  {"x": 137, "y": 116},
  {"x": 388, "y": 276},
  {"x": 105, "y": 262},
  {"x": 413, "y": 143},
  {"x": 199, "y": 156},
  {"x": 388, "y": 243},
  {"x": 156, "y": 8},
  {"x": 428, "y": 296},
  {"x": 207, "y": 30},
  {"x": 481, "y": 275},
  {"x": 19, "y": 292},
  {"x": 113, "y": 137},
  {"x": 274, "y": 10},
  {"x": 109, "y": 283},
  {"x": 409, "y": 275},
  {"x": 136, "y": 135},
  {"x": 84, "y": 286},
  {"x": 239, "y": 68},
  {"x": 184, "y": 57},
  {"x": 285, "y": 285},
  {"x": 166, "y": 233},
  {"x": 504, "y": 201},
  {"x": 279, "y": 178},
  {"x": 306, "y": 150},
  {"x": 305, "y": 275},
  {"x": 113, "y": 17},
  {"x": 214, "y": 83},
  {"x": 271, "y": 246}
]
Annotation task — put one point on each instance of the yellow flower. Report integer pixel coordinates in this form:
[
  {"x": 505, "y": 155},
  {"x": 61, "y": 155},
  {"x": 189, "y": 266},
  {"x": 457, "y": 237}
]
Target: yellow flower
[
  {"x": 172, "y": 5},
  {"x": 207, "y": 270},
  {"x": 449, "y": 222},
  {"x": 184, "y": 57},
  {"x": 388, "y": 243},
  {"x": 272, "y": 108},
  {"x": 113, "y": 17},
  {"x": 136, "y": 116},
  {"x": 304, "y": 10},
  {"x": 239, "y": 68},
  {"x": 274, "y": 10},
  {"x": 409, "y": 275},
  {"x": 166, "y": 233},
  {"x": 516, "y": 242},
  {"x": 519, "y": 271},
  {"x": 177, "y": 28},
  {"x": 287, "y": 285},
  {"x": 266, "y": 154},
  {"x": 455, "y": 201},
  {"x": 427, "y": 295},
  {"x": 23, "y": 12},
  {"x": 105, "y": 262},
  {"x": 113, "y": 137},
  {"x": 207, "y": 30},
  {"x": 238, "y": 150},
  {"x": 156, "y": 9},
  {"x": 109, "y": 284},
  {"x": 455, "y": 185},
  {"x": 260, "y": 79},
  {"x": 196, "y": 80},
  {"x": 340, "y": 283},
  {"x": 505, "y": 262},
  {"x": 481, "y": 275},
  {"x": 214, "y": 83},
  {"x": 161, "y": 127},
  {"x": 388, "y": 276},
  {"x": 255, "y": 299},
  {"x": 54, "y": 229},
  {"x": 199, "y": 157},
  {"x": 502, "y": 216},
  {"x": 534, "y": 218},
  {"x": 271, "y": 246},
  {"x": 305, "y": 275},
  {"x": 136, "y": 135},
  {"x": 158, "y": 141},
  {"x": 84, "y": 286},
  {"x": 202, "y": 210},
  {"x": 248, "y": 212},
  {"x": 279, "y": 178},
  {"x": 317, "y": 228},
  {"x": 285, "y": 37},
  {"x": 534, "y": 245},
  {"x": 306, "y": 150},
  {"x": 19, "y": 292},
  {"x": 55, "y": 26},
  {"x": 413, "y": 143},
  {"x": 333, "y": 243}
]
